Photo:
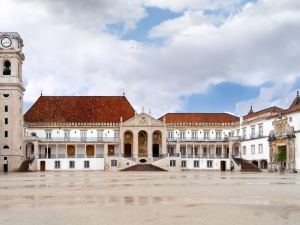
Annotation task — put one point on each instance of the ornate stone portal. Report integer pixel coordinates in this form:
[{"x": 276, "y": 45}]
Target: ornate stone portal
[{"x": 282, "y": 140}]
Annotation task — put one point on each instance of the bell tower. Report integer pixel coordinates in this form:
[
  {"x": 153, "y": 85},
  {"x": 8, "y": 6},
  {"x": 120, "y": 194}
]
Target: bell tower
[{"x": 11, "y": 101}]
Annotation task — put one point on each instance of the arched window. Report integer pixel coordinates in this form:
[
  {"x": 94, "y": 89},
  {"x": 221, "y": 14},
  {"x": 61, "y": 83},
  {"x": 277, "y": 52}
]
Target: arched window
[
  {"x": 33, "y": 134},
  {"x": 5, "y": 147},
  {"x": 7, "y": 68}
]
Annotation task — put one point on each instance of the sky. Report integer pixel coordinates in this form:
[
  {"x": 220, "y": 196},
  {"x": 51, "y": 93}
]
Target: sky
[{"x": 166, "y": 55}]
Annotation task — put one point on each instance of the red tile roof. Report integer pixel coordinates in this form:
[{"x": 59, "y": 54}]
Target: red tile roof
[
  {"x": 272, "y": 110},
  {"x": 80, "y": 109},
  {"x": 199, "y": 118}
]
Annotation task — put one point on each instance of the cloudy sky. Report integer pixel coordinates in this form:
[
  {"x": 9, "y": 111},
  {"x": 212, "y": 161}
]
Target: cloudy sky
[{"x": 168, "y": 55}]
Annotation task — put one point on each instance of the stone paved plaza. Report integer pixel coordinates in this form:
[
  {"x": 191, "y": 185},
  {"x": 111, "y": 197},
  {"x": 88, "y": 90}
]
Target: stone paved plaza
[{"x": 79, "y": 198}]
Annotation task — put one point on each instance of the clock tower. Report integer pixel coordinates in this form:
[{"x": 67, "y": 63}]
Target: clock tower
[{"x": 11, "y": 101}]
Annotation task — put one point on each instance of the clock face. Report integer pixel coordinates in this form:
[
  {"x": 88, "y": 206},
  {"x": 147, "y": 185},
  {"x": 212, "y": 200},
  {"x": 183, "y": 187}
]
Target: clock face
[{"x": 6, "y": 42}]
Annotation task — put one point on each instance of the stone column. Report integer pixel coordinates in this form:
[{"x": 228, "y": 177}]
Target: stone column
[
  {"x": 121, "y": 143},
  {"x": 149, "y": 144},
  {"x": 177, "y": 147},
  {"x": 163, "y": 143},
  {"x": 105, "y": 150},
  {"x": 36, "y": 155},
  {"x": 135, "y": 144}
]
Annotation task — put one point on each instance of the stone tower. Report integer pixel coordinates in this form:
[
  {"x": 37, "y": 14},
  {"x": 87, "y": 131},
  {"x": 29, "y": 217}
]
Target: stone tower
[{"x": 11, "y": 101}]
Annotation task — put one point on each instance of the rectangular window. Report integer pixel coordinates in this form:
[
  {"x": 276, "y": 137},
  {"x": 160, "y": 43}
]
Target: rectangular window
[
  {"x": 6, "y": 108},
  {"x": 71, "y": 164},
  {"x": 6, "y": 121},
  {"x": 6, "y": 133},
  {"x": 172, "y": 163},
  {"x": 182, "y": 135},
  {"x": 86, "y": 164},
  {"x": 67, "y": 134},
  {"x": 171, "y": 135},
  {"x": 238, "y": 132},
  {"x": 252, "y": 149},
  {"x": 252, "y": 132},
  {"x": 244, "y": 150},
  {"x": 194, "y": 135},
  {"x": 209, "y": 164},
  {"x": 171, "y": 150},
  {"x": 218, "y": 135},
  {"x": 206, "y": 135},
  {"x": 291, "y": 119},
  {"x": 48, "y": 135},
  {"x": 196, "y": 164},
  {"x": 183, "y": 164},
  {"x": 260, "y": 130},
  {"x": 57, "y": 164},
  {"x": 204, "y": 151},
  {"x": 260, "y": 148},
  {"x": 196, "y": 151},
  {"x": 114, "y": 163},
  {"x": 231, "y": 134},
  {"x": 244, "y": 133}
]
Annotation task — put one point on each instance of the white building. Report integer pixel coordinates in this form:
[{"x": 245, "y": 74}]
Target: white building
[{"x": 105, "y": 132}]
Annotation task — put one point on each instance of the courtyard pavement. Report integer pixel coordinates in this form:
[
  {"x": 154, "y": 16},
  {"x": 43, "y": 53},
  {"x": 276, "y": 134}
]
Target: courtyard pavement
[{"x": 84, "y": 198}]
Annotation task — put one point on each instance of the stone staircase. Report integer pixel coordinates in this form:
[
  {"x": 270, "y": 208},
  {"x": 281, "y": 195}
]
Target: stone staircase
[
  {"x": 25, "y": 165},
  {"x": 249, "y": 167},
  {"x": 143, "y": 167}
]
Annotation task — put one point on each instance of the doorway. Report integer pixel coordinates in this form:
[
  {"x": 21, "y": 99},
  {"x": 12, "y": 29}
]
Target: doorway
[
  {"x": 155, "y": 150},
  {"x": 127, "y": 152},
  {"x": 223, "y": 166},
  {"x": 5, "y": 165},
  {"x": 42, "y": 166}
]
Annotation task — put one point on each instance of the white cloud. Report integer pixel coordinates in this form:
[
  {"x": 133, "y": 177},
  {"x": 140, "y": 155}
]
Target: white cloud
[{"x": 68, "y": 51}]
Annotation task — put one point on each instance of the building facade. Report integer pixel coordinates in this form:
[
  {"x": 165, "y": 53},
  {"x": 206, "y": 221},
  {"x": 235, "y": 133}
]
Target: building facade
[{"x": 106, "y": 133}]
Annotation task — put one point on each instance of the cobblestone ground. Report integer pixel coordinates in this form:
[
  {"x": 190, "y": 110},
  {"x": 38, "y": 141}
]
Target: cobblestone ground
[{"x": 83, "y": 198}]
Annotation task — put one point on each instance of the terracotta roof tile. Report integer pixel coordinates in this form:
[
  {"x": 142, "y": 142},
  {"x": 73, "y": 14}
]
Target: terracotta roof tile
[
  {"x": 80, "y": 109},
  {"x": 272, "y": 110},
  {"x": 199, "y": 118}
]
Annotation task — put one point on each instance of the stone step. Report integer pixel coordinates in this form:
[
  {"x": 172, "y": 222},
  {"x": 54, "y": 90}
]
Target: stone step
[
  {"x": 143, "y": 167},
  {"x": 249, "y": 167}
]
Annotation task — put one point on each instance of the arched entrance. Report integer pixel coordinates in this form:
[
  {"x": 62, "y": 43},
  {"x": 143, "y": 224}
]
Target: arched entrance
[
  {"x": 142, "y": 143},
  {"x": 157, "y": 143},
  {"x": 263, "y": 164},
  {"x": 254, "y": 162},
  {"x": 128, "y": 143}
]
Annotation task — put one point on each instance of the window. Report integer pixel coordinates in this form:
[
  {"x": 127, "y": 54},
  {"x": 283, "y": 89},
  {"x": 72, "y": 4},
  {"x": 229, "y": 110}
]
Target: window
[
  {"x": 83, "y": 134},
  {"x": 6, "y": 108},
  {"x": 183, "y": 164},
  {"x": 238, "y": 132},
  {"x": 260, "y": 148},
  {"x": 6, "y": 121},
  {"x": 206, "y": 135},
  {"x": 196, "y": 164},
  {"x": 252, "y": 149},
  {"x": 196, "y": 151},
  {"x": 260, "y": 130},
  {"x": 114, "y": 163},
  {"x": 231, "y": 134},
  {"x": 252, "y": 132},
  {"x": 194, "y": 135},
  {"x": 67, "y": 134},
  {"x": 172, "y": 163},
  {"x": 86, "y": 164},
  {"x": 48, "y": 134},
  {"x": 218, "y": 135},
  {"x": 244, "y": 133},
  {"x": 5, "y": 95},
  {"x": 7, "y": 68},
  {"x": 182, "y": 135},
  {"x": 171, "y": 135},
  {"x": 244, "y": 150},
  {"x": 290, "y": 119},
  {"x": 6, "y": 133},
  {"x": 209, "y": 163},
  {"x": 5, "y": 147},
  {"x": 57, "y": 164},
  {"x": 204, "y": 151},
  {"x": 71, "y": 164}
]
